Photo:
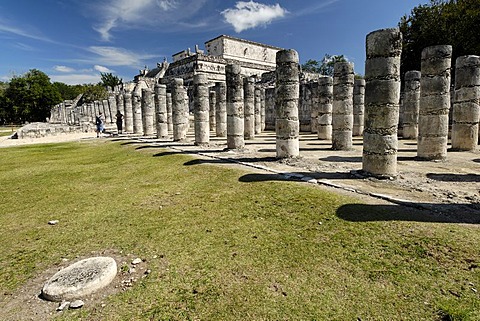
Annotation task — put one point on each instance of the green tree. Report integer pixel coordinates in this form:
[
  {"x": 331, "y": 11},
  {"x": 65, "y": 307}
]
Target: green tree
[
  {"x": 453, "y": 22},
  {"x": 109, "y": 80},
  {"x": 30, "y": 97},
  {"x": 323, "y": 67},
  {"x": 68, "y": 92},
  {"x": 93, "y": 92}
]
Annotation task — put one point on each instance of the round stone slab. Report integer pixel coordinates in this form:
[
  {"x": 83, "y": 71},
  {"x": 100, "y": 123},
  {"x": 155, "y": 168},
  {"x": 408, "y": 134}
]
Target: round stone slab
[{"x": 80, "y": 279}]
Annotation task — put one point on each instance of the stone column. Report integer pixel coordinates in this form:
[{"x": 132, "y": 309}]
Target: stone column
[
  {"x": 148, "y": 110},
  {"x": 287, "y": 92},
  {"x": 358, "y": 106},
  {"x": 121, "y": 107},
  {"x": 120, "y": 104},
  {"x": 325, "y": 99},
  {"x": 382, "y": 98},
  {"x": 137, "y": 113},
  {"x": 249, "y": 101},
  {"x": 262, "y": 108},
  {"x": 434, "y": 103},
  {"x": 342, "y": 109},
  {"x": 258, "y": 106},
  {"x": 314, "y": 104},
  {"x": 466, "y": 108},
  {"x": 108, "y": 113},
  {"x": 127, "y": 102},
  {"x": 235, "y": 107},
  {"x": 212, "y": 100},
  {"x": 411, "y": 104},
  {"x": 112, "y": 104},
  {"x": 169, "y": 111},
  {"x": 179, "y": 108},
  {"x": 221, "y": 109},
  {"x": 201, "y": 109},
  {"x": 268, "y": 121},
  {"x": 161, "y": 111}
]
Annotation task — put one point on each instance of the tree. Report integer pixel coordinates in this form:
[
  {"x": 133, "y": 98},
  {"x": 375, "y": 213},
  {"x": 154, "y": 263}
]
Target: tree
[
  {"x": 109, "y": 80},
  {"x": 453, "y": 22},
  {"x": 325, "y": 67},
  {"x": 30, "y": 97},
  {"x": 94, "y": 92}
]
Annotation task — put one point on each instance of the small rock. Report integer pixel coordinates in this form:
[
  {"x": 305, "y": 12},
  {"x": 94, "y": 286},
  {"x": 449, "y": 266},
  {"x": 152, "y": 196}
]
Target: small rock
[
  {"x": 148, "y": 271},
  {"x": 474, "y": 290},
  {"x": 77, "y": 304},
  {"x": 53, "y": 222},
  {"x": 137, "y": 261},
  {"x": 131, "y": 270},
  {"x": 64, "y": 305}
]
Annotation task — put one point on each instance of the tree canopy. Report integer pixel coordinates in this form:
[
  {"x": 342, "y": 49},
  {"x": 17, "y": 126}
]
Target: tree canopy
[
  {"x": 323, "y": 67},
  {"x": 29, "y": 97},
  {"x": 453, "y": 22},
  {"x": 109, "y": 80}
]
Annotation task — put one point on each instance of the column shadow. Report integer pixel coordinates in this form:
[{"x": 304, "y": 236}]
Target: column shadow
[{"x": 416, "y": 212}]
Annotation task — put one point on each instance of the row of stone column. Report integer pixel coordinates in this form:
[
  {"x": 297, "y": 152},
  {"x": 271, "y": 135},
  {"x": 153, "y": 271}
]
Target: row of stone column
[{"x": 427, "y": 103}]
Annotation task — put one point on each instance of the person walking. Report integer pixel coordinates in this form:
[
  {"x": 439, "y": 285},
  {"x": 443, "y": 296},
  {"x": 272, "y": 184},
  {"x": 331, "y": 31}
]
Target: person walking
[
  {"x": 119, "y": 121},
  {"x": 100, "y": 123}
]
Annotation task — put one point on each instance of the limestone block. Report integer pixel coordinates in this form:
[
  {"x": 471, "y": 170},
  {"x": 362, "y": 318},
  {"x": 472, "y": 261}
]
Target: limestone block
[
  {"x": 436, "y": 60},
  {"x": 382, "y": 92},
  {"x": 433, "y": 126},
  {"x": 80, "y": 279}
]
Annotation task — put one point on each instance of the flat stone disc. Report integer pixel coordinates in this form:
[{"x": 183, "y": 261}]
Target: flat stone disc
[{"x": 80, "y": 279}]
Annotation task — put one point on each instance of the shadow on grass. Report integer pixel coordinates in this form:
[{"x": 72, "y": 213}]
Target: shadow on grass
[
  {"x": 429, "y": 213},
  {"x": 229, "y": 161},
  {"x": 468, "y": 178},
  {"x": 250, "y": 178},
  {"x": 336, "y": 159}
]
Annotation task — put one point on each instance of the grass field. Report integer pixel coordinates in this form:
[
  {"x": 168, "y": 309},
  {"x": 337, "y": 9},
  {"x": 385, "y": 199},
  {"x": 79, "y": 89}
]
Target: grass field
[{"x": 222, "y": 247}]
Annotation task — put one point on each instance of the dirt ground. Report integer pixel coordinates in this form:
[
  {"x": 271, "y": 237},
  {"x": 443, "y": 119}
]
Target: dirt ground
[{"x": 443, "y": 191}]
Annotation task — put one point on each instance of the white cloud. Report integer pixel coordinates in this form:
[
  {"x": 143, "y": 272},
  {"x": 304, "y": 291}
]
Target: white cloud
[
  {"x": 8, "y": 28},
  {"x": 102, "y": 68},
  {"x": 144, "y": 14},
  {"x": 113, "y": 56},
  {"x": 63, "y": 69},
  {"x": 167, "y": 4},
  {"x": 248, "y": 15},
  {"x": 76, "y": 79}
]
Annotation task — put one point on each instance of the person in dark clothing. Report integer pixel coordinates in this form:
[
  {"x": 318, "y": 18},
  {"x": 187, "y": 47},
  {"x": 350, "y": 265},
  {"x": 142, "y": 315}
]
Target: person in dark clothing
[{"x": 119, "y": 117}]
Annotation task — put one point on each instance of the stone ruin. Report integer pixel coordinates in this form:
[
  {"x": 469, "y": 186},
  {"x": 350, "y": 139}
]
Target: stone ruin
[{"x": 238, "y": 99}]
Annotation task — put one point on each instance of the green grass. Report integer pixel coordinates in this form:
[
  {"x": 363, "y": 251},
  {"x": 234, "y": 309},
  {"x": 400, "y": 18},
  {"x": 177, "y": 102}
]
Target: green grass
[{"x": 221, "y": 248}]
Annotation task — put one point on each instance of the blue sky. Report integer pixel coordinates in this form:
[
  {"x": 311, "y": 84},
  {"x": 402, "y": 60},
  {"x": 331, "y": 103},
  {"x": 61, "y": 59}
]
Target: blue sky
[{"x": 72, "y": 41}]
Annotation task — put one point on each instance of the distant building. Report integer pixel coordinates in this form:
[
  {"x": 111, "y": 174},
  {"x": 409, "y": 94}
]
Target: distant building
[{"x": 254, "y": 58}]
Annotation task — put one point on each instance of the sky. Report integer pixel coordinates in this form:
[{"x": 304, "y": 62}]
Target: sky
[{"x": 72, "y": 41}]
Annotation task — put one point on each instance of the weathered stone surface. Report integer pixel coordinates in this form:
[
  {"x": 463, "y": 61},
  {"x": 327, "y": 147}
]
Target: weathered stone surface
[
  {"x": 220, "y": 109},
  {"x": 127, "y": 100},
  {"x": 358, "y": 106},
  {"x": 325, "y": 106},
  {"x": 137, "y": 113},
  {"x": 257, "y": 109},
  {"x": 161, "y": 111},
  {"x": 80, "y": 279},
  {"x": 466, "y": 106},
  {"x": 434, "y": 103},
  {"x": 201, "y": 109},
  {"x": 249, "y": 101},
  {"x": 342, "y": 111},
  {"x": 77, "y": 304},
  {"x": 179, "y": 110},
  {"x": 287, "y": 92},
  {"x": 148, "y": 112},
  {"x": 169, "y": 111},
  {"x": 212, "y": 101},
  {"x": 382, "y": 98},
  {"x": 411, "y": 104},
  {"x": 235, "y": 107}
]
